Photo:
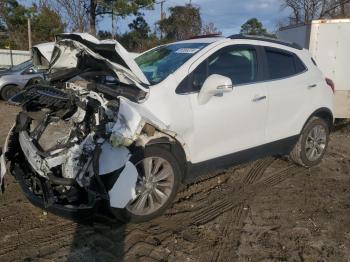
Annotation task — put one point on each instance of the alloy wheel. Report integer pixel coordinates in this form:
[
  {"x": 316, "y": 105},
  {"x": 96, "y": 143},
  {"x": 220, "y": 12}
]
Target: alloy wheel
[
  {"x": 316, "y": 142},
  {"x": 154, "y": 186}
]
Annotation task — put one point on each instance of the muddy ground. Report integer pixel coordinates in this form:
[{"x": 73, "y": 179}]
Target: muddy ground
[{"x": 269, "y": 210}]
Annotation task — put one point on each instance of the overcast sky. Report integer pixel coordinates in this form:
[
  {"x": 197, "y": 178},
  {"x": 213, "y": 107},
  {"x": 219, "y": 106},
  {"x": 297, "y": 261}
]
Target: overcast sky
[{"x": 227, "y": 15}]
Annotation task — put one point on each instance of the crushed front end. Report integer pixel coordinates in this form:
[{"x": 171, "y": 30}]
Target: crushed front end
[{"x": 69, "y": 149}]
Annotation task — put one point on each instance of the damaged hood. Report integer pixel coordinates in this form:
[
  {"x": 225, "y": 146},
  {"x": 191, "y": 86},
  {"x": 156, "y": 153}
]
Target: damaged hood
[
  {"x": 81, "y": 50},
  {"x": 41, "y": 54}
]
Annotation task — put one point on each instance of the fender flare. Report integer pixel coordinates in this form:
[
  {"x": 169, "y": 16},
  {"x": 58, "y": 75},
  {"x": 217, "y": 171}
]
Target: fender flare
[
  {"x": 175, "y": 148},
  {"x": 324, "y": 113}
]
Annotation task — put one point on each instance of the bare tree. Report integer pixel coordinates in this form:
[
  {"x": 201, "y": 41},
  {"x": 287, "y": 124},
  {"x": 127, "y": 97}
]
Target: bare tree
[
  {"x": 210, "y": 29},
  {"x": 304, "y": 11},
  {"x": 335, "y": 9},
  {"x": 74, "y": 12}
]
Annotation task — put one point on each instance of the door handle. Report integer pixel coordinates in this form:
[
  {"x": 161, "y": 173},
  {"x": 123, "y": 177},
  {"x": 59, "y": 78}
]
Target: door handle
[
  {"x": 258, "y": 98},
  {"x": 312, "y": 86}
]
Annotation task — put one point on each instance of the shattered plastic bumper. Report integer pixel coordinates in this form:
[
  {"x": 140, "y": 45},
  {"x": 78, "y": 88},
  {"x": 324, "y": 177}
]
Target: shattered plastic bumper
[
  {"x": 68, "y": 212},
  {"x": 3, "y": 168}
]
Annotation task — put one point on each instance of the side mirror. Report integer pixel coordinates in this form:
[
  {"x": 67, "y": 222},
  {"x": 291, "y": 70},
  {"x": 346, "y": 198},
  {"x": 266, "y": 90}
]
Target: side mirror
[
  {"x": 214, "y": 85},
  {"x": 28, "y": 71}
]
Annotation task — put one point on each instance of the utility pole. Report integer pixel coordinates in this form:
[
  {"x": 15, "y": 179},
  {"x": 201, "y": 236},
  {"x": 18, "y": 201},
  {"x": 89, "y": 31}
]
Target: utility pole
[
  {"x": 113, "y": 28},
  {"x": 162, "y": 15},
  {"x": 29, "y": 35}
]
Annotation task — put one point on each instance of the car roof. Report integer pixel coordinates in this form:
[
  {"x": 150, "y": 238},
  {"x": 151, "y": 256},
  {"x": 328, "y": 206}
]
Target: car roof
[
  {"x": 207, "y": 40},
  {"x": 248, "y": 38}
]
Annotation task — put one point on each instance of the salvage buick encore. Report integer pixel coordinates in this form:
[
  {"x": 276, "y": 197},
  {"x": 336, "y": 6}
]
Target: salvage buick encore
[{"x": 108, "y": 129}]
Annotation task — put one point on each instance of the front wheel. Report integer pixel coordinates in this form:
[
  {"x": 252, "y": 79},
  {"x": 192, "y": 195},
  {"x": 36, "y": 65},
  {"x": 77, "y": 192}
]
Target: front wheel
[
  {"x": 157, "y": 184},
  {"x": 312, "y": 143}
]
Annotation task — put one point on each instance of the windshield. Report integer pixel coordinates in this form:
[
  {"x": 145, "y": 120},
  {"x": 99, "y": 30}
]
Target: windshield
[
  {"x": 21, "y": 66},
  {"x": 159, "y": 63}
]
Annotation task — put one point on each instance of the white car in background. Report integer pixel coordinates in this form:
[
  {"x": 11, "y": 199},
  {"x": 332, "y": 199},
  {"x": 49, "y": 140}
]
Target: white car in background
[{"x": 110, "y": 129}]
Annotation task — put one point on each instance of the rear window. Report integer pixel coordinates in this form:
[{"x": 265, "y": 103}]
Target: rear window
[{"x": 283, "y": 64}]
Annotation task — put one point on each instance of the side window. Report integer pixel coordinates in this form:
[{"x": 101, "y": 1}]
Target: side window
[
  {"x": 299, "y": 66},
  {"x": 283, "y": 64},
  {"x": 238, "y": 64},
  {"x": 235, "y": 62}
]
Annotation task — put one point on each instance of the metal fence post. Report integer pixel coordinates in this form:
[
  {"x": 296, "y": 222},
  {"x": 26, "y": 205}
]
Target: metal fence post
[{"x": 11, "y": 57}]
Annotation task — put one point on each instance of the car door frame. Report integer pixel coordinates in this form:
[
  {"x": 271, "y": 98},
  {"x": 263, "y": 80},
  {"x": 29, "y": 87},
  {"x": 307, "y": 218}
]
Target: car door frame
[
  {"x": 261, "y": 76},
  {"x": 291, "y": 139},
  {"x": 197, "y": 169}
]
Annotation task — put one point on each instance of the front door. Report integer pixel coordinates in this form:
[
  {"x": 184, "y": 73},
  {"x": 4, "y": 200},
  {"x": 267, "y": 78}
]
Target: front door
[{"x": 234, "y": 121}]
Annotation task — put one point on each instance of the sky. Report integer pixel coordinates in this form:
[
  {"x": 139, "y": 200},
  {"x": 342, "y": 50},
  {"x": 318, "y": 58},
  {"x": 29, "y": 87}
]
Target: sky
[{"x": 227, "y": 15}]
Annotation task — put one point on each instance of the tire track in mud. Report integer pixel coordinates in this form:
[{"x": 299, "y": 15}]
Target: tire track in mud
[
  {"x": 231, "y": 221},
  {"x": 224, "y": 199},
  {"x": 225, "y": 195},
  {"x": 232, "y": 195},
  {"x": 235, "y": 214},
  {"x": 36, "y": 236}
]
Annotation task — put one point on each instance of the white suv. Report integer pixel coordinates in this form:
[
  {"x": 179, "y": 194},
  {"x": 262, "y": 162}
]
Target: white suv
[{"x": 109, "y": 129}]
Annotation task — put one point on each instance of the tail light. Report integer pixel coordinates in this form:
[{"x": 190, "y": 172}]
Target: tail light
[{"x": 330, "y": 83}]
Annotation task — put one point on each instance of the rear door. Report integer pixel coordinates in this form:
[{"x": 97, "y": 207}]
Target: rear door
[{"x": 290, "y": 91}]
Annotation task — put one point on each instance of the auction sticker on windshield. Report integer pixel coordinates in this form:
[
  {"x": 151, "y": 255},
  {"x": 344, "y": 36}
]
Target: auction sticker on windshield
[{"x": 187, "y": 50}]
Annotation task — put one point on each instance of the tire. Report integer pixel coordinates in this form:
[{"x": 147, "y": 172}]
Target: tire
[
  {"x": 9, "y": 91},
  {"x": 156, "y": 155},
  {"x": 312, "y": 143}
]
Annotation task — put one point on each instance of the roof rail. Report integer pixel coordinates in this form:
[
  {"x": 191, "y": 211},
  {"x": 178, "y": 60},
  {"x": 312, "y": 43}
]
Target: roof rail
[
  {"x": 266, "y": 39},
  {"x": 204, "y": 36}
]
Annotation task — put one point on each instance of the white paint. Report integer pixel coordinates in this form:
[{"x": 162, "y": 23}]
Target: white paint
[
  {"x": 112, "y": 158},
  {"x": 46, "y": 49},
  {"x": 120, "y": 51},
  {"x": 128, "y": 126},
  {"x": 329, "y": 42},
  {"x": 123, "y": 190},
  {"x": 234, "y": 121},
  {"x": 214, "y": 85}
]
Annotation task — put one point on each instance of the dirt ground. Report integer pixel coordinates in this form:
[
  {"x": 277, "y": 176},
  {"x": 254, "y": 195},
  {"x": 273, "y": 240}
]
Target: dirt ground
[{"x": 269, "y": 210}]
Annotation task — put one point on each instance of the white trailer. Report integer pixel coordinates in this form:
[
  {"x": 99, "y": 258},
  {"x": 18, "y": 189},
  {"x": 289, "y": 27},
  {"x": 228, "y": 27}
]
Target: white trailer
[{"x": 329, "y": 43}]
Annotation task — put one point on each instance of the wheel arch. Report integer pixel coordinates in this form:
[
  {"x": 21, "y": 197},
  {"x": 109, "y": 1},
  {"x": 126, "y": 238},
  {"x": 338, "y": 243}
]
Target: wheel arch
[
  {"x": 324, "y": 113},
  {"x": 174, "y": 147},
  {"x": 33, "y": 80},
  {"x": 8, "y": 84}
]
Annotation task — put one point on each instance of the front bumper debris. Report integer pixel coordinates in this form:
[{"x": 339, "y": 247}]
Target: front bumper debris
[{"x": 71, "y": 212}]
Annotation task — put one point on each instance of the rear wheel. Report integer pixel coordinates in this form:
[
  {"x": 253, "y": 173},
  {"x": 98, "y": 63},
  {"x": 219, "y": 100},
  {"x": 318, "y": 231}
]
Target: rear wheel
[
  {"x": 9, "y": 91},
  {"x": 157, "y": 185},
  {"x": 312, "y": 143}
]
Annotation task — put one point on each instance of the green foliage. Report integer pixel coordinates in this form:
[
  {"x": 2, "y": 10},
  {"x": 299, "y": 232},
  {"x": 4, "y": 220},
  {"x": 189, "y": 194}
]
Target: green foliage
[
  {"x": 253, "y": 27},
  {"x": 183, "y": 23},
  {"x": 103, "y": 34},
  {"x": 139, "y": 38},
  {"x": 140, "y": 26},
  {"x": 123, "y": 7},
  {"x": 44, "y": 21}
]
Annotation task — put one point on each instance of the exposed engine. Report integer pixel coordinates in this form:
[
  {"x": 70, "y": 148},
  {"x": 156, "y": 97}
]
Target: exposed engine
[{"x": 63, "y": 134}]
